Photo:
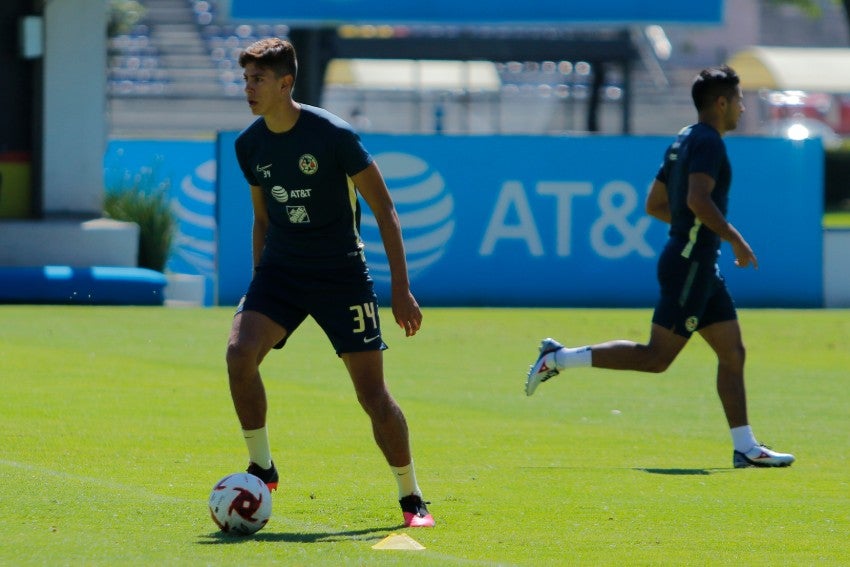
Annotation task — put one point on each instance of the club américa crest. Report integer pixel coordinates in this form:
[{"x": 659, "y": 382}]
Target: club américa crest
[{"x": 308, "y": 164}]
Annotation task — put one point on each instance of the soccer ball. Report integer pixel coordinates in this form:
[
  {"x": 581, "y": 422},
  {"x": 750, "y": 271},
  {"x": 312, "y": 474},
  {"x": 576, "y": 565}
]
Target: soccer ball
[{"x": 240, "y": 503}]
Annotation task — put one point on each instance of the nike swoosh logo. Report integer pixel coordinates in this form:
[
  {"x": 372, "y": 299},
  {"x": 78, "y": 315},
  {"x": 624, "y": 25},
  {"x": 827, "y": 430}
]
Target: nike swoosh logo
[{"x": 370, "y": 339}]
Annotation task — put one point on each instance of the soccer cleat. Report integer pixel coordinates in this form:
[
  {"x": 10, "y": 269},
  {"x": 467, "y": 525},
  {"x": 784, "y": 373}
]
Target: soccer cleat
[
  {"x": 415, "y": 512},
  {"x": 545, "y": 367},
  {"x": 269, "y": 476},
  {"x": 761, "y": 456}
]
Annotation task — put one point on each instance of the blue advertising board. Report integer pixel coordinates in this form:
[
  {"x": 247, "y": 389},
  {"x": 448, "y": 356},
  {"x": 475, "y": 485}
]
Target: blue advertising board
[
  {"x": 559, "y": 221},
  {"x": 185, "y": 170},
  {"x": 505, "y": 12}
]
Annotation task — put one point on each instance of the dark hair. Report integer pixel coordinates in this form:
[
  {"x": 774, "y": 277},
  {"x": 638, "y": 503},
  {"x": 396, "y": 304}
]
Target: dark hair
[
  {"x": 273, "y": 53},
  {"x": 712, "y": 83}
]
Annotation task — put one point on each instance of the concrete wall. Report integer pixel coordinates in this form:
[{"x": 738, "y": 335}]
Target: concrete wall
[
  {"x": 74, "y": 137},
  {"x": 96, "y": 242},
  {"x": 836, "y": 268},
  {"x": 73, "y": 140}
]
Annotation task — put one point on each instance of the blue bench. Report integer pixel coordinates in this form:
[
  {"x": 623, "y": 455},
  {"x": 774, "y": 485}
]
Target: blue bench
[{"x": 83, "y": 286}]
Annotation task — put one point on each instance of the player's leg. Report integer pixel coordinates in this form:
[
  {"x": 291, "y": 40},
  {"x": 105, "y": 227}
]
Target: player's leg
[
  {"x": 655, "y": 356},
  {"x": 346, "y": 308},
  {"x": 388, "y": 422},
  {"x": 252, "y": 336},
  {"x": 681, "y": 297},
  {"x": 725, "y": 340},
  {"x": 389, "y": 428}
]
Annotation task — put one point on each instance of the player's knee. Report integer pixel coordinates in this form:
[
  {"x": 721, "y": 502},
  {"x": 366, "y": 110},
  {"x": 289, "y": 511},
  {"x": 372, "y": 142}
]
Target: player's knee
[
  {"x": 659, "y": 362},
  {"x": 370, "y": 400},
  {"x": 652, "y": 357},
  {"x": 376, "y": 402},
  {"x": 734, "y": 357},
  {"x": 657, "y": 366},
  {"x": 239, "y": 357},
  {"x": 739, "y": 353}
]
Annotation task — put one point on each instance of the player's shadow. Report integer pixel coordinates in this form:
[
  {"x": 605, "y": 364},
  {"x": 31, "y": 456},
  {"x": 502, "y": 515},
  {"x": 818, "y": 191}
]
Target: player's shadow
[
  {"x": 682, "y": 472},
  {"x": 367, "y": 534}
]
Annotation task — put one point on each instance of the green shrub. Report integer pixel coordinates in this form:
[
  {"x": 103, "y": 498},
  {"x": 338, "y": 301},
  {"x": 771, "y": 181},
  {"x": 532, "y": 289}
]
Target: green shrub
[{"x": 151, "y": 210}]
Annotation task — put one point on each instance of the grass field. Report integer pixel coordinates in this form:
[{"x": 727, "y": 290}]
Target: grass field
[{"x": 116, "y": 422}]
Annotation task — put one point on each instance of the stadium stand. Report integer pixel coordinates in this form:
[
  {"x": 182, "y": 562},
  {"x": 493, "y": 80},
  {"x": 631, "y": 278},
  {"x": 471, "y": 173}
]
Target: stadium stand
[{"x": 177, "y": 72}]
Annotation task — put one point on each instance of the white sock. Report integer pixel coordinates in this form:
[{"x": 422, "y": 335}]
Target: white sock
[
  {"x": 573, "y": 357},
  {"x": 406, "y": 479},
  {"x": 743, "y": 438},
  {"x": 259, "y": 450}
]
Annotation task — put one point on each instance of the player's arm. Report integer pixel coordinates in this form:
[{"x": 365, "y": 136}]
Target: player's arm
[
  {"x": 371, "y": 185},
  {"x": 700, "y": 186},
  {"x": 261, "y": 223},
  {"x": 657, "y": 202}
]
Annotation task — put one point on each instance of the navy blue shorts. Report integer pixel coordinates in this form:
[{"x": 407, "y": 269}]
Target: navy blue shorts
[
  {"x": 341, "y": 299},
  {"x": 693, "y": 292}
]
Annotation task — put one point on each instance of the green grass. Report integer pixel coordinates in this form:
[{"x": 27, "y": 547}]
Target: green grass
[{"x": 116, "y": 422}]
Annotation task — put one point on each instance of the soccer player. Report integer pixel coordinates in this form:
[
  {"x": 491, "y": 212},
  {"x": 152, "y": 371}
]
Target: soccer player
[
  {"x": 305, "y": 167},
  {"x": 690, "y": 192}
]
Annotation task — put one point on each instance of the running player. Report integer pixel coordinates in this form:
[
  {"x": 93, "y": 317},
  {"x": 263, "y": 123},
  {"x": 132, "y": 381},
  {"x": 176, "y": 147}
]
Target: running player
[
  {"x": 690, "y": 192},
  {"x": 305, "y": 167}
]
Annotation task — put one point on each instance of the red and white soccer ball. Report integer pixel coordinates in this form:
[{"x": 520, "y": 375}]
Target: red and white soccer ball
[{"x": 240, "y": 503}]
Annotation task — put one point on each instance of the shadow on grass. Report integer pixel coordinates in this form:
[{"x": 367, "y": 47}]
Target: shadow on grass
[
  {"x": 217, "y": 538},
  {"x": 681, "y": 472},
  {"x": 684, "y": 472}
]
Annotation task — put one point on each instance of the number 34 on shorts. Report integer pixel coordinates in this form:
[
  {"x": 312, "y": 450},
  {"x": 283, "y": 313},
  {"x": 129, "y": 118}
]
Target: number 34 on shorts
[{"x": 365, "y": 317}]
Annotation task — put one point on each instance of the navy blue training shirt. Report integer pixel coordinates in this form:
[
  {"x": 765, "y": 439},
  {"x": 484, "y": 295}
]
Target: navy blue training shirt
[
  {"x": 698, "y": 149},
  {"x": 314, "y": 213}
]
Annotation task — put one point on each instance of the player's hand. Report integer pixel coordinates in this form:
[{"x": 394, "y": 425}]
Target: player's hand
[
  {"x": 744, "y": 255},
  {"x": 406, "y": 311}
]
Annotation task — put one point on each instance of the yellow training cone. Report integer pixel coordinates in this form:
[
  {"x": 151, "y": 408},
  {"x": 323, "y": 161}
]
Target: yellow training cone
[{"x": 399, "y": 541}]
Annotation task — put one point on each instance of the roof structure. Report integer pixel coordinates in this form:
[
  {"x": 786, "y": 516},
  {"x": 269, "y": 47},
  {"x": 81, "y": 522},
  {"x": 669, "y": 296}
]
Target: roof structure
[
  {"x": 600, "y": 47},
  {"x": 408, "y": 74},
  {"x": 817, "y": 69}
]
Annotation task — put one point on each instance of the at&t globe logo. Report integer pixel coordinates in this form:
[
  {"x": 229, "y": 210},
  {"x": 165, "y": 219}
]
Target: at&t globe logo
[{"x": 426, "y": 211}]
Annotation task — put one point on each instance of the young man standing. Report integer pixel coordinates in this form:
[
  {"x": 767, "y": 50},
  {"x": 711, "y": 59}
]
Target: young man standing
[
  {"x": 690, "y": 192},
  {"x": 305, "y": 167}
]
